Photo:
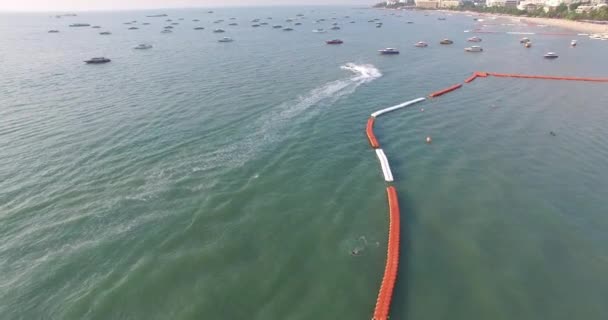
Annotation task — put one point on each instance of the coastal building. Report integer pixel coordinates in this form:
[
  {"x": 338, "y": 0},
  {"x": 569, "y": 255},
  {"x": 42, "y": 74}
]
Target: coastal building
[
  {"x": 449, "y": 3},
  {"x": 391, "y": 2},
  {"x": 531, "y": 5},
  {"x": 502, "y": 3},
  {"x": 583, "y": 9},
  {"x": 427, "y": 4}
]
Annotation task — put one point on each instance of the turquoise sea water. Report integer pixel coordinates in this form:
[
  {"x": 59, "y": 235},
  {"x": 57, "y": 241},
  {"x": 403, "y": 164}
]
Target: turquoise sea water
[{"x": 206, "y": 180}]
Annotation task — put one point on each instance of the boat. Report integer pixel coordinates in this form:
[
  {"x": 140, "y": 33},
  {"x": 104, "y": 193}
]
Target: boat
[
  {"x": 421, "y": 44},
  {"x": 298, "y": 23},
  {"x": 175, "y": 23},
  {"x": 157, "y": 15},
  {"x": 595, "y": 36},
  {"x": 168, "y": 27},
  {"x": 199, "y": 28},
  {"x": 146, "y": 23},
  {"x": 255, "y": 20},
  {"x": 97, "y": 60},
  {"x": 352, "y": 22},
  {"x": 524, "y": 40},
  {"x": 218, "y": 21},
  {"x": 334, "y": 41},
  {"x": 370, "y": 21},
  {"x": 219, "y": 30},
  {"x": 474, "y": 39},
  {"x": 277, "y": 26},
  {"x": 264, "y": 24},
  {"x": 209, "y": 11},
  {"x": 378, "y": 25},
  {"x": 233, "y": 24},
  {"x": 319, "y": 31},
  {"x": 168, "y": 20},
  {"x": 255, "y": 25},
  {"x": 143, "y": 47},
  {"x": 225, "y": 39},
  {"x": 166, "y": 31},
  {"x": 573, "y": 43},
  {"x": 105, "y": 33},
  {"x": 551, "y": 55},
  {"x": 195, "y": 20},
  {"x": 441, "y": 19},
  {"x": 181, "y": 19},
  {"x": 335, "y": 28},
  {"x": 288, "y": 29},
  {"x": 410, "y": 22},
  {"x": 76, "y": 25},
  {"x": 288, "y": 20},
  {"x": 133, "y": 28},
  {"x": 528, "y": 44},
  {"x": 446, "y": 41},
  {"x": 389, "y": 51},
  {"x": 473, "y": 49},
  {"x": 334, "y": 24},
  {"x": 96, "y": 27},
  {"x": 127, "y": 23},
  {"x": 53, "y": 31}
]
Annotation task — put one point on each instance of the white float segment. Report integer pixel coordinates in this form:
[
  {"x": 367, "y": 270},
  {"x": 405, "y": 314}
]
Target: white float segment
[
  {"x": 399, "y": 106},
  {"x": 386, "y": 169}
]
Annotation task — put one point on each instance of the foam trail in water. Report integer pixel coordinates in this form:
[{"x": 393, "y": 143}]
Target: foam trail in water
[{"x": 267, "y": 130}]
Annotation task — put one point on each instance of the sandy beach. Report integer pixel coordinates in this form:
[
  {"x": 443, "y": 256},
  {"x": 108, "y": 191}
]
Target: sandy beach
[{"x": 583, "y": 27}]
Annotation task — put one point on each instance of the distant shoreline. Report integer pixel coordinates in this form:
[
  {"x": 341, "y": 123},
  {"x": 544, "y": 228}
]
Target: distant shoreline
[{"x": 583, "y": 27}]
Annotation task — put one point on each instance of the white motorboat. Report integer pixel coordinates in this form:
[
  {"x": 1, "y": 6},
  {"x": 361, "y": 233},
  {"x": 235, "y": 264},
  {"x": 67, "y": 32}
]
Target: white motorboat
[
  {"x": 97, "y": 60},
  {"x": 219, "y": 30},
  {"x": 421, "y": 44},
  {"x": 225, "y": 39},
  {"x": 473, "y": 49},
  {"x": 389, "y": 51},
  {"x": 143, "y": 46},
  {"x": 573, "y": 43},
  {"x": 474, "y": 39},
  {"x": 319, "y": 31},
  {"x": 551, "y": 55}
]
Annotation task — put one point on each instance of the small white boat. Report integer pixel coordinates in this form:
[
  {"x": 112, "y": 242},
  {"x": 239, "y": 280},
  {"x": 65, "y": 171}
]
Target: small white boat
[
  {"x": 474, "y": 39},
  {"x": 319, "y": 31},
  {"x": 53, "y": 31},
  {"x": 143, "y": 47},
  {"x": 551, "y": 55},
  {"x": 573, "y": 43},
  {"x": 595, "y": 36},
  {"x": 421, "y": 44},
  {"x": 199, "y": 28},
  {"x": 389, "y": 51},
  {"x": 473, "y": 49},
  {"x": 524, "y": 40},
  {"x": 219, "y": 30},
  {"x": 225, "y": 39},
  {"x": 446, "y": 41}
]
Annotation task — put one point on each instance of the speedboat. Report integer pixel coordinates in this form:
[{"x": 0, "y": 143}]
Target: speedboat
[
  {"x": 199, "y": 28},
  {"x": 233, "y": 24},
  {"x": 225, "y": 39},
  {"x": 334, "y": 24},
  {"x": 168, "y": 27},
  {"x": 335, "y": 28},
  {"x": 264, "y": 23},
  {"x": 255, "y": 20},
  {"x": 195, "y": 20},
  {"x": 551, "y": 55},
  {"x": 97, "y": 60},
  {"x": 166, "y": 31},
  {"x": 255, "y": 25},
  {"x": 105, "y": 33},
  {"x": 175, "y": 23},
  {"x": 143, "y": 47},
  {"x": 319, "y": 31},
  {"x": 277, "y": 26},
  {"x": 524, "y": 40},
  {"x": 335, "y": 41},
  {"x": 474, "y": 39},
  {"x": 288, "y": 20},
  {"x": 378, "y": 25},
  {"x": 73, "y": 25},
  {"x": 219, "y": 30},
  {"x": 446, "y": 41},
  {"x": 298, "y": 23},
  {"x": 232, "y": 18},
  {"x": 473, "y": 49},
  {"x": 573, "y": 43},
  {"x": 421, "y": 44},
  {"x": 53, "y": 31},
  {"x": 288, "y": 29},
  {"x": 96, "y": 27},
  {"x": 389, "y": 51},
  {"x": 133, "y": 28}
]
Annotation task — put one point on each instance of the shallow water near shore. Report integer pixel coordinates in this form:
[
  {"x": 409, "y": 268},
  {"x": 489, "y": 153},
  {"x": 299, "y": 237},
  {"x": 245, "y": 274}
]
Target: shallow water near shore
[{"x": 206, "y": 180}]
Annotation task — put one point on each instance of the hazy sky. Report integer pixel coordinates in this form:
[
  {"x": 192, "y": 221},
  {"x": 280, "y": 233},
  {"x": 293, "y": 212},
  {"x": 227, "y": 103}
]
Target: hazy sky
[{"x": 75, "y": 5}]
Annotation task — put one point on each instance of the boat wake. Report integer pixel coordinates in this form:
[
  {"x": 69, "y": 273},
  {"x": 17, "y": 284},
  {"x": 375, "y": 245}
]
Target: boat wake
[{"x": 270, "y": 128}]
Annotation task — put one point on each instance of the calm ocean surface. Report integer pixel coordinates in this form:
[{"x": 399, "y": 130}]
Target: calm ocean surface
[{"x": 206, "y": 180}]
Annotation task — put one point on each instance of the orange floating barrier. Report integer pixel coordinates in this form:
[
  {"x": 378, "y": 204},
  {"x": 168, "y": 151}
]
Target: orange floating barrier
[
  {"x": 383, "y": 303},
  {"x": 370, "y": 133},
  {"x": 525, "y": 76},
  {"x": 481, "y": 74},
  {"x": 444, "y": 91},
  {"x": 471, "y": 78}
]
